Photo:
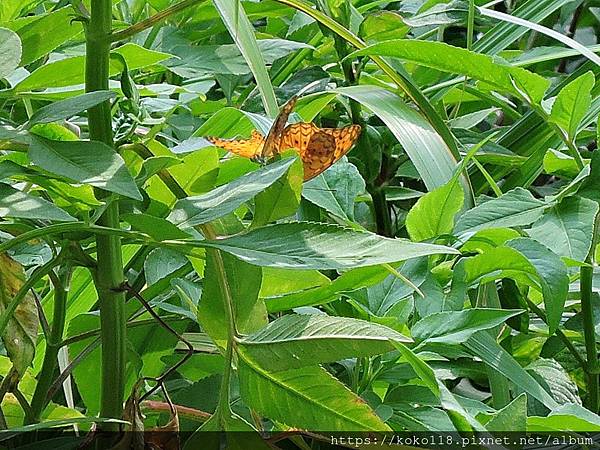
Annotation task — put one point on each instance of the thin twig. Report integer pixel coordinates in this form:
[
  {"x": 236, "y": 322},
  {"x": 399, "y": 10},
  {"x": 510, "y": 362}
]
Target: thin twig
[
  {"x": 559, "y": 333},
  {"x": 159, "y": 381},
  {"x": 65, "y": 373}
]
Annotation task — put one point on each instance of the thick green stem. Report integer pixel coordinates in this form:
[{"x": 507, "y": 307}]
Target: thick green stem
[
  {"x": 586, "y": 275},
  {"x": 109, "y": 277},
  {"x": 593, "y": 381},
  {"x": 53, "y": 344},
  {"x": 382, "y": 212}
]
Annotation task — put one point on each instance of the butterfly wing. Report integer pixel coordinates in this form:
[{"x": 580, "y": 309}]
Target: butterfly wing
[
  {"x": 248, "y": 148},
  {"x": 319, "y": 148},
  {"x": 272, "y": 146}
]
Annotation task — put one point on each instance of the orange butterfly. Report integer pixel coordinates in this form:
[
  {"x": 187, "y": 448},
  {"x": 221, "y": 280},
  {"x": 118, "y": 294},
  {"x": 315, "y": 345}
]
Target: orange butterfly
[{"x": 319, "y": 148}]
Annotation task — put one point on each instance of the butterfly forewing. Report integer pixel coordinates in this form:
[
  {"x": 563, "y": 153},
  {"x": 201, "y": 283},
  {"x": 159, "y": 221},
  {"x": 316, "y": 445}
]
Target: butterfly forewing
[
  {"x": 248, "y": 148},
  {"x": 271, "y": 146}
]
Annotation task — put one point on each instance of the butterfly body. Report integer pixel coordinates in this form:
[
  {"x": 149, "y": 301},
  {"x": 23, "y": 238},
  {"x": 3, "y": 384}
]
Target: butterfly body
[{"x": 319, "y": 148}]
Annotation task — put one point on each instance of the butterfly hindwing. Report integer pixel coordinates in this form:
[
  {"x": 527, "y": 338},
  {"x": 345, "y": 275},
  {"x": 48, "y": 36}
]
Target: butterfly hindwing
[{"x": 319, "y": 148}]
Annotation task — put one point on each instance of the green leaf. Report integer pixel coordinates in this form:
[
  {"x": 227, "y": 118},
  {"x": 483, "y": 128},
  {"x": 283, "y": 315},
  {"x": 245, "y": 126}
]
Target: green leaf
[
  {"x": 71, "y": 71},
  {"x": 572, "y": 104},
  {"x": 10, "y": 52},
  {"x": 567, "y": 228},
  {"x": 219, "y": 202},
  {"x": 308, "y": 398},
  {"x": 446, "y": 58},
  {"x": 281, "y": 199},
  {"x": 154, "y": 226},
  {"x": 66, "y": 108},
  {"x": 433, "y": 214},
  {"x": 426, "y": 149},
  {"x": 14, "y": 203},
  {"x": 227, "y": 279},
  {"x": 295, "y": 341},
  {"x": 318, "y": 246},
  {"x": 36, "y": 36},
  {"x": 336, "y": 189},
  {"x": 455, "y": 327},
  {"x": 459, "y": 416},
  {"x": 564, "y": 419},
  {"x": 88, "y": 162},
  {"x": 20, "y": 335},
  {"x": 348, "y": 281},
  {"x": 512, "y": 417},
  {"x": 485, "y": 347},
  {"x": 558, "y": 163},
  {"x": 242, "y": 32},
  {"x": 552, "y": 274},
  {"x": 513, "y": 209}
]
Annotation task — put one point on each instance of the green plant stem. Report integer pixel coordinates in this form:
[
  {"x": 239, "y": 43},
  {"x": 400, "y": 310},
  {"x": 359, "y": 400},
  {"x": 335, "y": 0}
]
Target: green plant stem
[
  {"x": 383, "y": 217},
  {"x": 155, "y": 19},
  {"x": 593, "y": 381},
  {"x": 53, "y": 343},
  {"x": 559, "y": 333},
  {"x": 586, "y": 275},
  {"x": 109, "y": 274},
  {"x": 224, "y": 408},
  {"x": 470, "y": 24}
]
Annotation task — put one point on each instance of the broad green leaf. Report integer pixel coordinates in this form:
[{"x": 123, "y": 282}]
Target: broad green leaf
[
  {"x": 308, "y": 398},
  {"x": 295, "y": 341},
  {"x": 426, "y": 149},
  {"x": 567, "y": 227},
  {"x": 36, "y": 36},
  {"x": 162, "y": 262},
  {"x": 20, "y": 335},
  {"x": 512, "y": 417},
  {"x": 348, "y": 281},
  {"x": 88, "y": 162},
  {"x": 227, "y": 279},
  {"x": 555, "y": 379},
  {"x": 219, "y": 202},
  {"x": 513, "y": 209},
  {"x": 558, "y": 163},
  {"x": 318, "y": 246},
  {"x": 277, "y": 282},
  {"x": 10, "y": 52},
  {"x": 336, "y": 189},
  {"x": 242, "y": 32},
  {"x": 565, "y": 418},
  {"x": 154, "y": 226},
  {"x": 70, "y": 71},
  {"x": 15, "y": 203},
  {"x": 455, "y": 327},
  {"x": 382, "y": 298},
  {"x": 456, "y": 60},
  {"x": 491, "y": 353},
  {"x": 433, "y": 214},
  {"x": 195, "y": 61},
  {"x": 459, "y": 416},
  {"x": 66, "y": 108},
  {"x": 572, "y": 103},
  {"x": 281, "y": 199},
  {"x": 552, "y": 274}
]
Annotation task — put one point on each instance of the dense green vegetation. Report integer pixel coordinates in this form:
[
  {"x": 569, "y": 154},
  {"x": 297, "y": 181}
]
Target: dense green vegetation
[{"x": 439, "y": 277}]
